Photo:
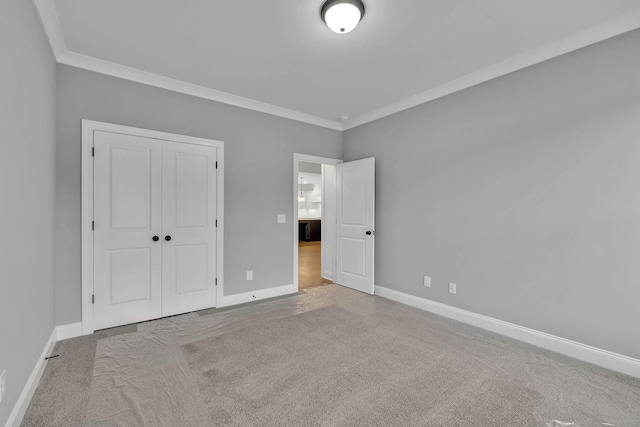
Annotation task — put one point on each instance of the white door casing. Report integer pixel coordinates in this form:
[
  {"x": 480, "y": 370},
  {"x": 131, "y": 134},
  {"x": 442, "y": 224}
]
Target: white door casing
[
  {"x": 189, "y": 220},
  {"x": 128, "y": 197},
  {"x": 329, "y": 222},
  {"x": 356, "y": 225}
]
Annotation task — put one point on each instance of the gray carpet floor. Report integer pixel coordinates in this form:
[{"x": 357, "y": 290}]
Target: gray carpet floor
[
  {"x": 62, "y": 395},
  {"x": 327, "y": 357}
]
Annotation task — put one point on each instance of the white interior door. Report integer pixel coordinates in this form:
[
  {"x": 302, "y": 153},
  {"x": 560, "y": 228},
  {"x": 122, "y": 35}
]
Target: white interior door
[
  {"x": 356, "y": 221},
  {"x": 189, "y": 221},
  {"x": 127, "y": 206}
]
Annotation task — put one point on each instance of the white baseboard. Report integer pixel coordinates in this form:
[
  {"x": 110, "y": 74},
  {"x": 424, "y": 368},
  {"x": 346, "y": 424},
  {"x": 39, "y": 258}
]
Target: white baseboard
[
  {"x": 587, "y": 353},
  {"x": 72, "y": 330},
  {"x": 229, "y": 300},
  {"x": 20, "y": 408}
]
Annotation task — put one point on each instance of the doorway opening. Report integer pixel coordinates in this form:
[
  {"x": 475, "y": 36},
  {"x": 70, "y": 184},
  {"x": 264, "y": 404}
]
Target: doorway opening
[
  {"x": 310, "y": 226},
  {"x": 347, "y": 220},
  {"x": 314, "y": 221}
]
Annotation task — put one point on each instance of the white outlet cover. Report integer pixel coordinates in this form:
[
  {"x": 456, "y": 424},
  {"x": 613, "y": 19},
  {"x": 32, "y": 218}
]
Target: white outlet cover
[
  {"x": 282, "y": 218},
  {"x": 249, "y": 274},
  {"x": 452, "y": 288},
  {"x": 427, "y": 281}
]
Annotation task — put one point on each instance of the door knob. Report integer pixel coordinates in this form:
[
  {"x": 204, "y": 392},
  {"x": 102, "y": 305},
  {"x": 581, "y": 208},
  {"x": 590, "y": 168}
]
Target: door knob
[
  {"x": 156, "y": 238},
  {"x": 369, "y": 233},
  {"x": 167, "y": 237}
]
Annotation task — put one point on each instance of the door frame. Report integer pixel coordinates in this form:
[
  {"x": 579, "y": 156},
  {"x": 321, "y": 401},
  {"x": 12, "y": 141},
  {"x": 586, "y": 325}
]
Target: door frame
[
  {"x": 87, "y": 261},
  {"x": 297, "y": 158}
]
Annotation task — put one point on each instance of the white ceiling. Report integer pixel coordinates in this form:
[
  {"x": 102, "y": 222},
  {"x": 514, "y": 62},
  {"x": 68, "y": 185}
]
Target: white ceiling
[{"x": 279, "y": 52}]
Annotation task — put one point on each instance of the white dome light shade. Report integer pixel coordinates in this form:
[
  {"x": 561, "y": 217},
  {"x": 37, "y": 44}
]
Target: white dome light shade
[{"x": 342, "y": 16}]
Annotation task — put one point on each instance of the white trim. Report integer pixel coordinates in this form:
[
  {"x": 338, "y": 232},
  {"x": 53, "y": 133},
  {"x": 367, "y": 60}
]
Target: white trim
[
  {"x": 611, "y": 28},
  {"x": 21, "y": 406},
  {"x": 88, "y": 128},
  {"x": 328, "y": 264},
  {"x": 258, "y": 295},
  {"x": 297, "y": 158},
  {"x": 86, "y": 234},
  {"x": 220, "y": 231},
  {"x": 614, "y": 361},
  {"x": 112, "y": 69},
  {"x": 49, "y": 19},
  {"x": 72, "y": 330}
]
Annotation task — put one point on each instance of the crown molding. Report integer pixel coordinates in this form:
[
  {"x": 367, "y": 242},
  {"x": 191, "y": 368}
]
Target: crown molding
[
  {"x": 614, "y": 27},
  {"x": 49, "y": 18},
  {"x": 598, "y": 33},
  {"x": 51, "y": 25},
  {"x": 112, "y": 69}
]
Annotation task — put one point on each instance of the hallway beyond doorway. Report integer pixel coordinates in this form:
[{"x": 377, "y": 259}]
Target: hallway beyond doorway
[{"x": 309, "y": 265}]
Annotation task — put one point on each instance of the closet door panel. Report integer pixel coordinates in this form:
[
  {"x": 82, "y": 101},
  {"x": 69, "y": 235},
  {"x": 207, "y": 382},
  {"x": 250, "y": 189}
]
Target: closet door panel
[
  {"x": 127, "y": 203},
  {"x": 189, "y": 228}
]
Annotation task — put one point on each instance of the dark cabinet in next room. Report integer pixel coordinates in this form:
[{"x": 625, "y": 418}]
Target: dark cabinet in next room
[{"x": 310, "y": 230}]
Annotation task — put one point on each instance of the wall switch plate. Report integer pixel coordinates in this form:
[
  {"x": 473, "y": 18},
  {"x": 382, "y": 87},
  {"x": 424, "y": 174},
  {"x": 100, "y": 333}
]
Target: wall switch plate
[
  {"x": 249, "y": 274},
  {"x": 427, "y": 282},
  {"x": 3, "y": 384},
  {"x": 282, "y": 218},
  {"x": 452, "y": 288}
]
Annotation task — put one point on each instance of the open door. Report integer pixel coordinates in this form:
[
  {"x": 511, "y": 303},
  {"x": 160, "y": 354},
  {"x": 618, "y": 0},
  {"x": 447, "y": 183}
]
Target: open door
[{"x": 356, "y": 221}]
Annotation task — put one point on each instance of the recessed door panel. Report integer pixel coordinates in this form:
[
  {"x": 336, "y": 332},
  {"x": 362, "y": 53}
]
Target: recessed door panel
[
  {"x": 356, "y": 220},
  {"x": 353, "y": 203},
  {"x": 191, "y": 268},
  {"x": 130, "y": 275},
  {"x": 127, "y": 212},
  {"x": 353, "y": 256},
  {"x": 189, "y": 218},
  {"x": 130, "y": 187},
  {"x": 192, "y": 190}
]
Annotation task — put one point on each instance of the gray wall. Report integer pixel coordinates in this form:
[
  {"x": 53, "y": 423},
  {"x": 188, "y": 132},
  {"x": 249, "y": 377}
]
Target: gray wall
[
  {"x": 258, "y": 180},
  {"x": 27, "y": 176},
  {"x": 525, "y": 191}
]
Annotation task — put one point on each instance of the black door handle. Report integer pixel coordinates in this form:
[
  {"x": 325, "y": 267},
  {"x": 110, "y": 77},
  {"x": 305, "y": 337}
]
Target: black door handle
[
  {"x": 155, "y": 238},
  {"x": 369, "y": 233},
  {"x": 167, "y": 237}
]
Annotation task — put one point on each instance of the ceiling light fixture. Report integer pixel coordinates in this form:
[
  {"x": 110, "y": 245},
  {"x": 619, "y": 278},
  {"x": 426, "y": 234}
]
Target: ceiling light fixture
[{"x": 342, "y": 16}]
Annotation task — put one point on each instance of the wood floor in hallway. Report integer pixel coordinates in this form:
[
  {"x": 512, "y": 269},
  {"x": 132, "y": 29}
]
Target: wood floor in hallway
[{"x": 309, "y": 265}]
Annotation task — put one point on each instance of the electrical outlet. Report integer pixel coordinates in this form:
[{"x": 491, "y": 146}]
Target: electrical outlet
[
  {"x": 249, "y": 274},
  {"x": 282, "y": 218},
  {"x": 452, "y": 288},
  {"x": 3, "y": 384},
  {"x": 427, "y": 282}
]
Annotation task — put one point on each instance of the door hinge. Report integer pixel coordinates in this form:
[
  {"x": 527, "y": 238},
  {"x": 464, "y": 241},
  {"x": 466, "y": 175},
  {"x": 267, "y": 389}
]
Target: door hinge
[
  {"x": 216, "y": 281},
  {"x": 93, "y": 151},
  {"x": 216, "y": 165},
  {"x": 93, "y": 225},
  {"x": 216, "y": 222},
  {"x": 93, "y": 299}
]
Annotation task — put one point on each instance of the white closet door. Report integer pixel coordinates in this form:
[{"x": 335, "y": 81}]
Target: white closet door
[
  {"x": 127, "y": 206},
  {"x": 189, "y": 228}
]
